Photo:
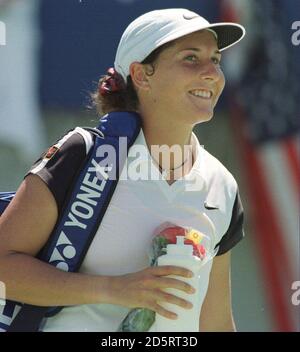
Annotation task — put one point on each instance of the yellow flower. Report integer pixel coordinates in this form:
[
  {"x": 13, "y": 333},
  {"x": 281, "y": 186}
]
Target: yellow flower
[{"x": 194, "y": 236}]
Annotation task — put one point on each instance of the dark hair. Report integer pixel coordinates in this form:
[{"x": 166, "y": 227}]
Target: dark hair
[{"x": 126, "y": 99}]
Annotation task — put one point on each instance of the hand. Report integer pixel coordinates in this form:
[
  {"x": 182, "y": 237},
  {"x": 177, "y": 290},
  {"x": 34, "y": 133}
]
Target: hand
[{"x": 144, "y": 289}]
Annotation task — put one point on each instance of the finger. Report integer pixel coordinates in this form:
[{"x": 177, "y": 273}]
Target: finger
[
  {"x": 177, "y": 284},
  {"x": 164, "y": 312},
  {"x": 169, "y": 298},
  {"x": 165, "y": 270}
]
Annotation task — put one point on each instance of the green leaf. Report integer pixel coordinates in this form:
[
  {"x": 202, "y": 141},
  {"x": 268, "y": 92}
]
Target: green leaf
[{"x": 137, "y": 320}]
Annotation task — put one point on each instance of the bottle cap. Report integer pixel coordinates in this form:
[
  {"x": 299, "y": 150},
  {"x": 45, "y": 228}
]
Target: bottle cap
[{"x": 180, "y": 248}]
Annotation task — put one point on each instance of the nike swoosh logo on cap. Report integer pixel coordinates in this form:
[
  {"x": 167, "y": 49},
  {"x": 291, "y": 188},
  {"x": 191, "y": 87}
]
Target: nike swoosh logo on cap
[
  {"x": 210, "y": 207},
  {"x": 187, "y": 16}
]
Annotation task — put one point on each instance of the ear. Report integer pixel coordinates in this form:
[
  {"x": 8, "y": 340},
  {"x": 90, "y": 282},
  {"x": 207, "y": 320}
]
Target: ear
[{"x": 138, "y": 75}]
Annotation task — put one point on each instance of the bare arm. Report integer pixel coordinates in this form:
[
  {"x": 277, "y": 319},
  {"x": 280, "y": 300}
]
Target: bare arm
[
  {"x": 24, "y": 229},
  {"x": 216, "y": 314}
]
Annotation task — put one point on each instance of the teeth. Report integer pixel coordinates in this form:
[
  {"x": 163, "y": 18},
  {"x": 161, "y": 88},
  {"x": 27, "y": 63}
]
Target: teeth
[{"x": 202, "y": 93}]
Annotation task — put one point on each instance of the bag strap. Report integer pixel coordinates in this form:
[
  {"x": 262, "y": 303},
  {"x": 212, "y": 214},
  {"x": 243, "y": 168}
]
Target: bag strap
[
  {"x": 91, "y": 194},
  {"x": 5, "y": 198}
]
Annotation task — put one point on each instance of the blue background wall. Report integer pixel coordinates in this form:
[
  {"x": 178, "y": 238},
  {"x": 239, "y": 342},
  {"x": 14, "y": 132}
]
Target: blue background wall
[{"x": 80, "y": 39}]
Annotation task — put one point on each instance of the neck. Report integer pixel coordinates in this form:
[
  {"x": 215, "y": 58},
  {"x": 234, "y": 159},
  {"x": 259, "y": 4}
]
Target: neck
[{"x": 169, "y": 144}]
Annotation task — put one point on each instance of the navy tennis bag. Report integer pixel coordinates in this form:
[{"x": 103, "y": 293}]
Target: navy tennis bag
[{"x": 66, "y": 249}]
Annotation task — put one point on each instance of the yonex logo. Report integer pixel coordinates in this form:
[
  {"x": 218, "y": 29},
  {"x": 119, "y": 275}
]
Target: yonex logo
[
  {"x": 8, "y": 313},
  {"x": 68, "y": 252},
  {"x": 2, "y": 33},
  {"x": 82, "y": 209}
]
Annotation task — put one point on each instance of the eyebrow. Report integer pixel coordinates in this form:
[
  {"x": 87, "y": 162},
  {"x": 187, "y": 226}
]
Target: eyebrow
[{"x": 197, "y": 49}]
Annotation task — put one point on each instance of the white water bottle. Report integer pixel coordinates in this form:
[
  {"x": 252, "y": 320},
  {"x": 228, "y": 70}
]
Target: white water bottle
[{"x": 181, "y": 254}]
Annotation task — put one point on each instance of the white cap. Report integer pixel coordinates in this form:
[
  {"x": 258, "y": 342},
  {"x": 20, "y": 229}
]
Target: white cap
[{"x": 155, "y": 28}]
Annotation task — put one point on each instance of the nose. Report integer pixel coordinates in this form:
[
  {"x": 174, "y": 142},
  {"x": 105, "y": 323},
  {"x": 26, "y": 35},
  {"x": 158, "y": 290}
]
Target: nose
[{"x": 211, "y": 72}]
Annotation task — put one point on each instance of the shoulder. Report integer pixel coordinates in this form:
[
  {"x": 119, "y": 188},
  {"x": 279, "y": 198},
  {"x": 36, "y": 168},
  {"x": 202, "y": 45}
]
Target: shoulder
[
  {"x": 59, "y": 164},
  {"x": 222, "y": 194},
  {"x": 76, "y": 142}
]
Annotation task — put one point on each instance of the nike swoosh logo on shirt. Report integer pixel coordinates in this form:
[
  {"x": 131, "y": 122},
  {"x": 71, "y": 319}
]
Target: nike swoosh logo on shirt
[{"x": 210, "y": 207}]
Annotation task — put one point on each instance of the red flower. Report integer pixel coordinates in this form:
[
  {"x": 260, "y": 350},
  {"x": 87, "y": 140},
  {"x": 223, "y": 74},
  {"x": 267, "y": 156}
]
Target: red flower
[{"x": 170, "y": 234}]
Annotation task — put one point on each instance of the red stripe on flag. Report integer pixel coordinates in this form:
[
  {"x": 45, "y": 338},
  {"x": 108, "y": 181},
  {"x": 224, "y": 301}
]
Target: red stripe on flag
[
  {"x": 293, "y": 160},
  {"x": 268, "y": 237},
  {"x": 228, "y": 12}
]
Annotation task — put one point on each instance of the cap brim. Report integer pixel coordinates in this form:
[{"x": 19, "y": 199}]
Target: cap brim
[{"x": 228, "y": 34}]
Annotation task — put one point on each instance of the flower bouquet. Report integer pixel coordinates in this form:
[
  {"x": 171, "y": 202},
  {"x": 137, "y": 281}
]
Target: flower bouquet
[{"x": 141, "y": 319}]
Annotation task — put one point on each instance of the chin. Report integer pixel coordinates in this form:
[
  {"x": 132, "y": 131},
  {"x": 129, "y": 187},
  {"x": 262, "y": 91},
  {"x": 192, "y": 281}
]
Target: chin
[
  {"x": 197, "y": 116},
  {"x": 204, "y": 116}
]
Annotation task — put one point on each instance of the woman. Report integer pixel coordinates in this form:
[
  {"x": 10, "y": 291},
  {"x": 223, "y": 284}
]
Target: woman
[{"x": 167, "y": 68}]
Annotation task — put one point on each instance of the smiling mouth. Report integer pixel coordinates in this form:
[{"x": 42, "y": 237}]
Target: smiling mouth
[{"x": 201, "y": 93}]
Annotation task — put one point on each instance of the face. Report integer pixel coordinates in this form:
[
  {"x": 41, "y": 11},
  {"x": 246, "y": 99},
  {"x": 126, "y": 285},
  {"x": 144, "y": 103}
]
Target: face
[{"x": 187, "y": 79}]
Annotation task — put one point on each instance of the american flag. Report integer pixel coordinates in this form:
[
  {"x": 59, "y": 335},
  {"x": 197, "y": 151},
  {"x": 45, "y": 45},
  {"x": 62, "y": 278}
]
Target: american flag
[{"x": 265, "y": 114}]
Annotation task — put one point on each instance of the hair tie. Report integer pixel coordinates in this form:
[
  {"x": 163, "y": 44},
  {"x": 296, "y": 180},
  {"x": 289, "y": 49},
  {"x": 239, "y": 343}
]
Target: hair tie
[{"x": 112, "y": 82}]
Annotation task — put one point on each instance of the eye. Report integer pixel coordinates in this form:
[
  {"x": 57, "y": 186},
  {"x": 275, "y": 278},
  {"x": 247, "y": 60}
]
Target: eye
[
  {"x": 191, "y": 58},
  {"x": 216, "y": 60}
]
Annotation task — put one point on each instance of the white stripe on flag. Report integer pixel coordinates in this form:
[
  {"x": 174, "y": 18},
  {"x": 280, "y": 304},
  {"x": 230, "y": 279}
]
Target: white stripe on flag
[{"x": 284, "y": 197}]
